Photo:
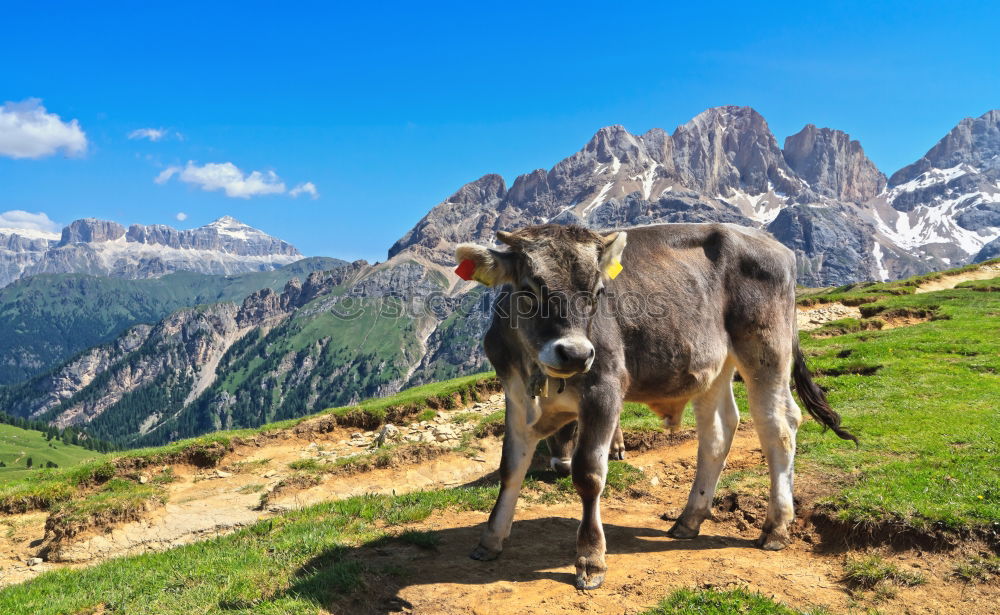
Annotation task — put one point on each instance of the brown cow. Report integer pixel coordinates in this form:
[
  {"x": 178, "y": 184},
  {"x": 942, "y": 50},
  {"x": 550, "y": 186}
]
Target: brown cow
[{"x": 571, "y": 341}]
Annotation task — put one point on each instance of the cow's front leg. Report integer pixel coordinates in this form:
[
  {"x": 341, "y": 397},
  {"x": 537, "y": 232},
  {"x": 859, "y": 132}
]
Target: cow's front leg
[
  {"x": 596, "y": 428},
  {"x": 519, "y": 444}
]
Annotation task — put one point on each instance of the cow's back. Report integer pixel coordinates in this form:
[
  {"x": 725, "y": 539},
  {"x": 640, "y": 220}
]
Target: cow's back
[{"x": 705, "y": 287}]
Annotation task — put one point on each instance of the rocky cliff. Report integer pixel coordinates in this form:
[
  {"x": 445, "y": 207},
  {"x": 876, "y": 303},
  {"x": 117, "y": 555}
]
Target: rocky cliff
[
  {"x": 820, "y": 194},
  {"x": 100, "y": 247}
]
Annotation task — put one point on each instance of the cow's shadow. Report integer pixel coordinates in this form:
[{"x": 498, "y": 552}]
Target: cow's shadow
[{"x": 369, "y": 578}]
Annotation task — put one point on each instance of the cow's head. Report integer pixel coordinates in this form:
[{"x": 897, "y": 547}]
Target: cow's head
[{"x": 556, "y": 274}]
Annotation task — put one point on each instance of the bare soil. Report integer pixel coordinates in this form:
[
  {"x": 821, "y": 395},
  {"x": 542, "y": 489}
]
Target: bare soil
[
  {"x": 535, "y": 573},
  {"x": 814, "y": 317}
]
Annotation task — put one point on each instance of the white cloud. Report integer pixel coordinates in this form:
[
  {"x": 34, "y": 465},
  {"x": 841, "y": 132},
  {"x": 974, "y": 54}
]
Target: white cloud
[
  {"x": 225, "y": 176},
  {"x": 27, "y": 130},
  {"x": 153, "y": 134},
  {"x": 182, "y": 216},
  {"x": 166, "y": 174},
  {"x": 228, "y": 177},
  {"x": 234, "y": 182},
  {"x": 304, "y": 188},
  {"x": 32, "y": 225}
]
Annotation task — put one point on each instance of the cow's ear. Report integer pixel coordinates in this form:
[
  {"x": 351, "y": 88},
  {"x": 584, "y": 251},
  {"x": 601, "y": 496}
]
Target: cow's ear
[
  {"x": 486, "y": 266},
  {"x": 611, "y": 255}
]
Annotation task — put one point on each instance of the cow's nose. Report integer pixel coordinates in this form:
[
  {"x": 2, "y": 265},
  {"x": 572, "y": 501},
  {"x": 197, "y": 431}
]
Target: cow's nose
[
  {"x": 573, "y": 353},
  {"x": 568, "y": 355}
]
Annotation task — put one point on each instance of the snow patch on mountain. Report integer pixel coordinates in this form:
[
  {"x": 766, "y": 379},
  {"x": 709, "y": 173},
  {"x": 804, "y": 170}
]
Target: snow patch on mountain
[
  {"x": 29, "y": 233},
  {"x": 937, "y": 224},
  {"x": 97, "y": 247},
  {"x": 883, "y": 273},
  {"x": 930, "y": 178}
]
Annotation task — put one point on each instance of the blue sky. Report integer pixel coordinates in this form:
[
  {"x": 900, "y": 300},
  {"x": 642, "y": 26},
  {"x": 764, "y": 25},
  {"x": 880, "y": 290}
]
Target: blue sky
[{"x": 387, "y": 109}]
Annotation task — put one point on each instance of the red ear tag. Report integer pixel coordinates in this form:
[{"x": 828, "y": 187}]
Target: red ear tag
[{"x": 466, "y": 269}]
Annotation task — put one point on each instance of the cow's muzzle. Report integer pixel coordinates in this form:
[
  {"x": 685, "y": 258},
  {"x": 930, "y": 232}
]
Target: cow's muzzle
[{"x": 567, "y": 356}]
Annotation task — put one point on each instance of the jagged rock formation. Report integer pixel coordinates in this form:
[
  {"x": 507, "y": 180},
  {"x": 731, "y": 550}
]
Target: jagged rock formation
[
  {"x": 989, "y": 252},
  {"x": 831, "y": 242},
  {"x": 945, "y": 207},
  {"x": 99, "y": 247},
  {"x": 722, "y": 166},
  {"x": 725, "y": 166},
  {"x": 833, "y": 165}
]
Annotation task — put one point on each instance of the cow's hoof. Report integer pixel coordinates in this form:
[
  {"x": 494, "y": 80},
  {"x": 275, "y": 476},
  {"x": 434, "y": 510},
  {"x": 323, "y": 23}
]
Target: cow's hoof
[
  {"x": 681, "y": 531},
  {"x": 561, "y": 466},
  {"x": 617, "y": 452},
  {"x": 484, "y": 554},
  {"x": 590, "y": 577},
  {"x": 773, "y": 541}
]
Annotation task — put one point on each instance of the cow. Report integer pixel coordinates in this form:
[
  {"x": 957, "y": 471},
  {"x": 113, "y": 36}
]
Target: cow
[{"x": 568, "y": 344}]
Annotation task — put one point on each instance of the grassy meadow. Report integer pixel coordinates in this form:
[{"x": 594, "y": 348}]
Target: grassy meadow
[{"x": 18, "y": 445}]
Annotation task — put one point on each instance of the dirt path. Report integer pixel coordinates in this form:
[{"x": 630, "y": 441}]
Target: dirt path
[
  {"x": 535, "y": 573},
  {"x": 206, "y": 503},
  {"x": 814, "y": 317},
  {"x": 985, "y": 272}
]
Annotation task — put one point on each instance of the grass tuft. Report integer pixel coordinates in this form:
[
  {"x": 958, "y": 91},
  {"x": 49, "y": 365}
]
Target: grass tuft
[
  {"x": 870, "y": 571},
  {"x": 717, "y": 602},
  {"x": 116, "y": 501},
  {"x": 978, "y": 569}
]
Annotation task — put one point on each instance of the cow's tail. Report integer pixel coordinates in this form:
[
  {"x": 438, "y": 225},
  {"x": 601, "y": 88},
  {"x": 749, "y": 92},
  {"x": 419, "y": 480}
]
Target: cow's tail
[{"x": 815, "y": 399}]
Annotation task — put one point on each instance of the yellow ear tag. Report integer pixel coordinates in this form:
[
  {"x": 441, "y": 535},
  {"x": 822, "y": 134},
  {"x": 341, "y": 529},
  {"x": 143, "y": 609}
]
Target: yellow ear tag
[{"x": 614, "y": 269}]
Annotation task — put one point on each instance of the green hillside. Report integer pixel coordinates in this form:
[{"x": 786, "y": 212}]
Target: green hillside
[
  {"x": 18, "y": 445},
  {"x": 312, "y": 361},
  {"x": 47, "y": 318}
]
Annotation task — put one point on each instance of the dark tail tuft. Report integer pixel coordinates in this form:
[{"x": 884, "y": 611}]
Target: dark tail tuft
[{"x": 815, "y": 399}]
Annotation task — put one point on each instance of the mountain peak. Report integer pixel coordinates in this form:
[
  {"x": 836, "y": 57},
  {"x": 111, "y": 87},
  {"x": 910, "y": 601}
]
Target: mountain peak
[
  {"x": 730, "y": 149},
  {"x": 91, "y": 230},
  {"x": 106, "y": 248},
  {"x": 726, "y": 115},
  {"x": 226, "y": 221},
  {"x": 833, "y": 164},
  {"x": 973, "y": 141},
  {"x": 613, "y": 142}
]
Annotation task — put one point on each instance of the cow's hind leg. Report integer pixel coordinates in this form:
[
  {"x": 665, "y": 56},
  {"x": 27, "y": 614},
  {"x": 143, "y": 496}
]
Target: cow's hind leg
[
  {"x": 562, "y": 442},
  {"x": 561, "y": 445},
  {"x": 617, "y": 444},
  {"x": 776, "y": 418},
  {"x": 596, "y": 429},
  {"x": 717, "y": 419}
]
